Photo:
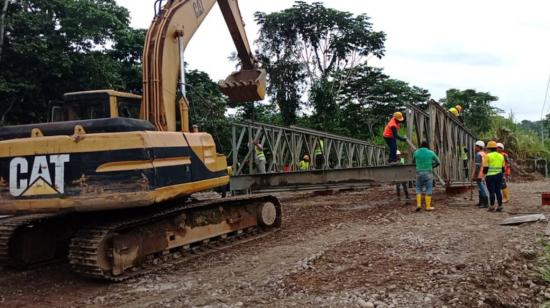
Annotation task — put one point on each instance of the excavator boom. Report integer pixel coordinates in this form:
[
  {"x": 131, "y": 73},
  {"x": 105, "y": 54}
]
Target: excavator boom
[{"x": 170, "y": 32}]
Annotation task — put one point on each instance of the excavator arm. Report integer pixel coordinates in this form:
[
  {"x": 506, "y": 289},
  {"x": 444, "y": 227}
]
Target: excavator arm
[{"x": 171, "y": 30}]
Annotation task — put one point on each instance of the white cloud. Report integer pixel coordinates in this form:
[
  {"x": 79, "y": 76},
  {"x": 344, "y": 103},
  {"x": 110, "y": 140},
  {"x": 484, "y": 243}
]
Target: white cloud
[{"x": 492, "y": 46}]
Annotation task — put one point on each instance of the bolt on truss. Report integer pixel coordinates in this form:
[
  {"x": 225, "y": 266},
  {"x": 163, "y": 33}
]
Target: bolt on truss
[
  {"x": 447, "y": 136},
  {"x": 284, "y": 147}
]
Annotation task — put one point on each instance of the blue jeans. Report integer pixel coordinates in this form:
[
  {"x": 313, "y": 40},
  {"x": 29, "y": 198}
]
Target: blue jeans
[
  {"x": 424, "y": 180},
  {"x": 392, "y": 144},
  {"x": 494, "y": 184},
  {"x": 483, "y": 193}
]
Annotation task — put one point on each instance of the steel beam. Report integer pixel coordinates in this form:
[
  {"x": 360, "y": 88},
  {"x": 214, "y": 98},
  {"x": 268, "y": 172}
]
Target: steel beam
[{"x": 297, "y": 180}]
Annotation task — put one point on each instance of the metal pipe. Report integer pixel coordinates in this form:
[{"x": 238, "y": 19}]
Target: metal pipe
[{"x": 181, "y": 48}]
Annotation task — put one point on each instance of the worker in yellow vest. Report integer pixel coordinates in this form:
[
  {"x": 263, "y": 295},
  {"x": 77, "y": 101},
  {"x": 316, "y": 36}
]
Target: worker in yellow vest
[
  {"x": 303, "y": 165},
  {"x": 493, "y": 175},
  {"x": 260, "y": 157},
  {"x": 456, "y": 110},
  {"x": 319, "y": 154}
]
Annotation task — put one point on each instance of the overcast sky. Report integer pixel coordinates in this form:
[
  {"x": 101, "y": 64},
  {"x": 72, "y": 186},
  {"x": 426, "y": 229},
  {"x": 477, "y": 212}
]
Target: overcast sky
[{"x": 501, "y": 47}]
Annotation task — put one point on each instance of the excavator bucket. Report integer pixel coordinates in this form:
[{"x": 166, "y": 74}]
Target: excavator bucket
[{"x": 245, "y": 86}]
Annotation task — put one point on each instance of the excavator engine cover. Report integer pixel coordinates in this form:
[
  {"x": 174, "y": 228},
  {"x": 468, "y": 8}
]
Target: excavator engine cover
[{"x": 245, "y": 86}]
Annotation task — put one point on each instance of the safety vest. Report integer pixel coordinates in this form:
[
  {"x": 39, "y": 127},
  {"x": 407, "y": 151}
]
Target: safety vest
[
  {"x": 388, "y": 130},
  {"x": 495, "y": 162},
  {"x": 303, "y": 165},
  {"x": 483, "y": 164},
  {"x": 320, "y": 148},
  {"x": 454, "y": 111},
  {"x": 464, "y": 155},
  {"x": 259, "y": 153}
]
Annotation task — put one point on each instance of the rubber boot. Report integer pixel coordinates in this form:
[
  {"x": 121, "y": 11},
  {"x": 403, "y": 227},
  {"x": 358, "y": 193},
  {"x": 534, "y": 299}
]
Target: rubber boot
[
  {"x": 505, "y": 195},
  {"x": 418, "y": 202},
  {"x": 429, "y": 203}
]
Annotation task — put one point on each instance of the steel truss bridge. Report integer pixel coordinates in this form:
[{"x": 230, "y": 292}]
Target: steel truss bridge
[{"x": 346, "y": 162}]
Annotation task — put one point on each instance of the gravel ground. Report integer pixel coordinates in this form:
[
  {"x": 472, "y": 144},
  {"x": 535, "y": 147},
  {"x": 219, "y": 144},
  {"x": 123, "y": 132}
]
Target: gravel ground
[{"x": 356, "y": 249}]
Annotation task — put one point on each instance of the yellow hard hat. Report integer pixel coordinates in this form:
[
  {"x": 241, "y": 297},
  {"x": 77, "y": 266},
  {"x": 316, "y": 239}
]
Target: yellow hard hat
[
  {"x": 398, "y": 115},
  {"x": 492, "y": 145},
  {"x": 306, "y": 157},
  {"x": 459, "y": 108}
]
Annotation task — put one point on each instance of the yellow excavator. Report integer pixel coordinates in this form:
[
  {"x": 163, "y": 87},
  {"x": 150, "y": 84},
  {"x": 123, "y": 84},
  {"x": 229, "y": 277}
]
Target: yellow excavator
[{"x": 108, "y": 182}]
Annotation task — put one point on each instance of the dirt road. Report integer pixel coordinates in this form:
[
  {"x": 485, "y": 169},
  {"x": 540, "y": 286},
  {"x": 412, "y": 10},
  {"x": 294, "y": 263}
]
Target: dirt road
[{"x": 362, "y": 249}]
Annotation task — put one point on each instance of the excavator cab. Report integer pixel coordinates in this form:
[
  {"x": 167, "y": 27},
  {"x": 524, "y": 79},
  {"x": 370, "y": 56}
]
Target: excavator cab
[{"x": 100, "y": 104}]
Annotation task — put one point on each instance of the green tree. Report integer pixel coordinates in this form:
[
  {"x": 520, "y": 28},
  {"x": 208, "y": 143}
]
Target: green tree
[
  {"x": 207, "y": 108},
  {"x": 476, "y": 108},
  {"x": 316, "y": 44},
  {"x": 57, "y": 46},
  {"x": 370, "y": 97}
]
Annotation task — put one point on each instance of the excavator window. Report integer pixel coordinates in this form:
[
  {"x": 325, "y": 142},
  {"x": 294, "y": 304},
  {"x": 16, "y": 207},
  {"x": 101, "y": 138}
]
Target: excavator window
[
  {"x": 128, "y": 107},
  {"x": 86, "y": 106}
]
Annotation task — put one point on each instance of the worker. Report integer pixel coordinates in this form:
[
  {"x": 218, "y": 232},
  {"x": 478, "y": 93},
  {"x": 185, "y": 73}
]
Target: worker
[
  {"x": 425, "y": 160},
  {"x": 478, "y": 176},
  {"x": 401, "y": 184},
  {"x": 260, "y": 157},
  {"x": 391, "y": 135},
  {"x": 465, "y": 157},
  {"x": 456, "y": 110},
  {"x": 494, "y": 171},
  {"x": 319, "y": 151},
  {"x": 507, "y": 173},
  {"x": 303, "y": 165}
]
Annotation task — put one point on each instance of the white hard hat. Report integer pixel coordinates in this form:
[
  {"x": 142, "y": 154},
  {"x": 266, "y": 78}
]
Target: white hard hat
[
  {"x": 398, "y": 152},
  {"x": 500, "y": 145},
  {"x": 480, "y": 144}
]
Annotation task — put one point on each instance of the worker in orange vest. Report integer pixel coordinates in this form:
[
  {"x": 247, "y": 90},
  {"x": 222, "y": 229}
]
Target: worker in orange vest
[
  {"x": 391, "y": 135},
  {"x": 507, "y": 173}
]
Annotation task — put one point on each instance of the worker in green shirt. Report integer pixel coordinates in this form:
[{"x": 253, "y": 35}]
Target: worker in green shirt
[{"x": 425, "y": 160}]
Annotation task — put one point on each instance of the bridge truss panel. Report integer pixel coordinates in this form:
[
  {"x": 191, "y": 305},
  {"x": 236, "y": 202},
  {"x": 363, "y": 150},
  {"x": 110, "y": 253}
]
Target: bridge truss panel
[
  {"x": 447, "y": 136},
  {"x": 284, "y": 147}
]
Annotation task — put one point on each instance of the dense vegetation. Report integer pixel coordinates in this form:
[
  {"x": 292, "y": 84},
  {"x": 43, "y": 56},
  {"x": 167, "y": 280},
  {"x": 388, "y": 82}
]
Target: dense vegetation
[{"x": 317, "y": 60}]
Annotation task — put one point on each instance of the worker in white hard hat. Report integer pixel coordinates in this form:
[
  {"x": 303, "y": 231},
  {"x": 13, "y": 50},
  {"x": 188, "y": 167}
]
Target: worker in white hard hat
[
  {"x": 398, "y": 186},
  {"x": 478, "y": 176},
  {"x": 507, "y": 173}
]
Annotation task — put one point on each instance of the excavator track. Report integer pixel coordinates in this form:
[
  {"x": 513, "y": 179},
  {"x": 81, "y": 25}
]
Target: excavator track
[
  {"x": 125, "y": 248},
  {"x": 21, "y": 235}
]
